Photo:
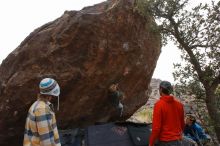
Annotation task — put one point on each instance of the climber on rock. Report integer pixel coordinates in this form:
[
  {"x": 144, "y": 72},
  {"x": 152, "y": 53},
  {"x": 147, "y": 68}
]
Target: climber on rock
[{"x": 115, "y": 96}]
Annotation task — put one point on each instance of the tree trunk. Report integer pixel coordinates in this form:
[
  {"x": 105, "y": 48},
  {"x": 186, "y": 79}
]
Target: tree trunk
[{"x": 214, "y": 112}]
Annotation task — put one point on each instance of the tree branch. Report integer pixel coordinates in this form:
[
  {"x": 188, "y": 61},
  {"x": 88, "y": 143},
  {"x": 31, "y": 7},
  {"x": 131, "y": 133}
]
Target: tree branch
[
  {"x": 201, "y": 46},
  {"x": 193, "y": 59}
]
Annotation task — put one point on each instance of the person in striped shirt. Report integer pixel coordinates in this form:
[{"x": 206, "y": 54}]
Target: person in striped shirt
[{"x": 40, "y": 127}]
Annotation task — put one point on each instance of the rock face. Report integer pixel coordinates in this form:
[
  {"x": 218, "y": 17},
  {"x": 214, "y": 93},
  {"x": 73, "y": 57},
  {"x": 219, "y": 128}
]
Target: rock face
[{"x": 85, "y": 51}]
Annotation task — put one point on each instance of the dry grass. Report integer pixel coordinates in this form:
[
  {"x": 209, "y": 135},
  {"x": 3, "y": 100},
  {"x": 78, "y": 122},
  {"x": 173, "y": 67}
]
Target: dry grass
[{"x": 143, "y": 115}]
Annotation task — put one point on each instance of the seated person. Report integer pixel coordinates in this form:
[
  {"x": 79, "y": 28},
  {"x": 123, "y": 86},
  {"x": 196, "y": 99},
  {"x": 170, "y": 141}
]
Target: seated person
[
  {"x": 115, "y": 97},
  {"x": 194, "y": 131}
]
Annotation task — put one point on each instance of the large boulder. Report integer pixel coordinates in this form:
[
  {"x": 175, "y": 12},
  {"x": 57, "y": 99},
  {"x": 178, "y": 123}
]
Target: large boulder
[{"x": 85, "y": 51}]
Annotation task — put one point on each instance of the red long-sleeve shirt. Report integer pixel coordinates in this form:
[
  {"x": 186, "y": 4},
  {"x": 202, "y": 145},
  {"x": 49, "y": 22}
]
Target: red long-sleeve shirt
[{"x": 168, "y": 120}]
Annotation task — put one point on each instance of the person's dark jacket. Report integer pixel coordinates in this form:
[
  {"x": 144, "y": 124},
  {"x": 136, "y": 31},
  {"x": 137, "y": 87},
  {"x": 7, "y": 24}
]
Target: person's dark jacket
[{"x": 115, "y": 97}]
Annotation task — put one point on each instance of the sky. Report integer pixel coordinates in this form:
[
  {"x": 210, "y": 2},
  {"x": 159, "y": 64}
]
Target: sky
[{"x": 20, "y": 17}]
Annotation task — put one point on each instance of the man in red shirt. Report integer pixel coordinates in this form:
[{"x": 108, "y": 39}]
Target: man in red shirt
[{"x": 168, "y": 118}]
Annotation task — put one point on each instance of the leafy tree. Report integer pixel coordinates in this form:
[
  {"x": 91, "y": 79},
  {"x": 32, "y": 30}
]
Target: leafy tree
[{"x": 196, "y": 32}]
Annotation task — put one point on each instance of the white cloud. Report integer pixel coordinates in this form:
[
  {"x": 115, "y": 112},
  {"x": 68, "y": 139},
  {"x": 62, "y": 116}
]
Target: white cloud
[{"x": 169, "y": 55}]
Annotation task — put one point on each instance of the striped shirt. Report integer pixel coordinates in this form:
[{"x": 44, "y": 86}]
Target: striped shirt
[{"x": 40, "y": 127}]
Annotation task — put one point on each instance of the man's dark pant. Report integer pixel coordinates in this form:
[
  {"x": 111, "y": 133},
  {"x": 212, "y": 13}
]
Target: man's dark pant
[{"x": 170, "y": 143}]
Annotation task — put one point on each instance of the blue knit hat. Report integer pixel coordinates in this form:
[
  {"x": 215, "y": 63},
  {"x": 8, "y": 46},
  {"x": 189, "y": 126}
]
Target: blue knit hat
[{"x": 49, "y": 86}]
